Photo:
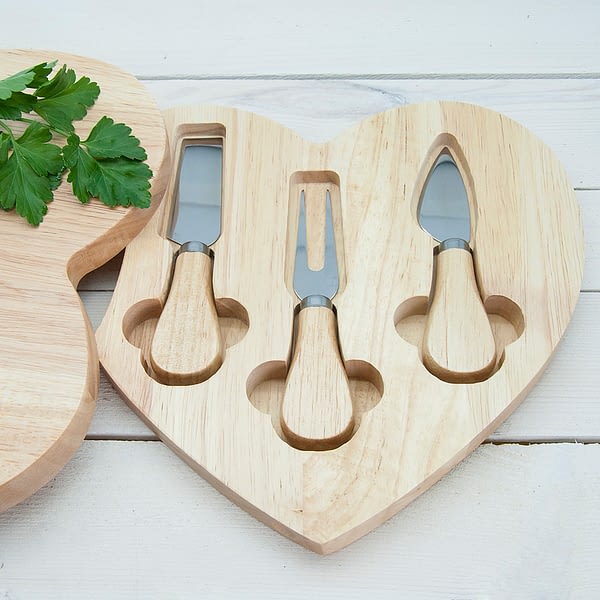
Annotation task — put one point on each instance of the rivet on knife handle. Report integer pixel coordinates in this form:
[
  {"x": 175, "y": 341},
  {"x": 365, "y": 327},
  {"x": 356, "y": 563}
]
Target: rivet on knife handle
[
  {"x": 458, "y": 343},
  {"x": 187, "y": 346},
  {"x": 316, "y": 411}
]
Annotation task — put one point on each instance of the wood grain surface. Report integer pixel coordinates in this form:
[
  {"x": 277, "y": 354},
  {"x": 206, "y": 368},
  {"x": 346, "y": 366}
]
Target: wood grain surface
[
  {"x": 413, "y": 427},
  {"x": 49, "y": 367},
  {"x": 316, "y": 408},
  {"x": 187, "y": 345},
  {"x": 458, "y": 342}
]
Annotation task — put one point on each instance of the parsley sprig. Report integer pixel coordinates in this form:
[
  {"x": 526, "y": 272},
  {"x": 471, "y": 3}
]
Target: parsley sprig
[{"x": 108, "y": 164}]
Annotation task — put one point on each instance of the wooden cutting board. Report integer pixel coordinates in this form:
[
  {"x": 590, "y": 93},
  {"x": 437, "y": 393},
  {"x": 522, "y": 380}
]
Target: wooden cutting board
[
  {"x": 49, "y": 365},
  {"x": 411, "y": 426}
]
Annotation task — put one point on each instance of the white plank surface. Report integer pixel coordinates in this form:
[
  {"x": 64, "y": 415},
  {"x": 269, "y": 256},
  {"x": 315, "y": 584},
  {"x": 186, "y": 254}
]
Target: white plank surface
[
  {"x": 201, "y": 38},
  {"x": 127, "y": 519}
]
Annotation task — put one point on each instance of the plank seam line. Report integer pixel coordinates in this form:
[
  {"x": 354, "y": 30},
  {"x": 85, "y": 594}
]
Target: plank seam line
[
  {"x": 365, "y": 76},
  {"x": 117, "y": 438},
  {"x": 488, "y": 442},
  {"x": 112, "y": 289},
  {"x": 543, "y": 442}
]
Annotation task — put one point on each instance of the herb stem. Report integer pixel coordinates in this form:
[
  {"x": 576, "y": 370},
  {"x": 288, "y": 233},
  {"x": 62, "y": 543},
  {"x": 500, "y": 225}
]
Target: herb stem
[
  {"x": 6, "y": 128},
  {"x": 50, "y": 127}
]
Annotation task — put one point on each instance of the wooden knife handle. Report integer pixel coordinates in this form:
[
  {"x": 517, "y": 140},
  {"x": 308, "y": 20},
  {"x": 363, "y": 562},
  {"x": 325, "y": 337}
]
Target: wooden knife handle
[
  {"x": 458, "y": 343},
  {"x": 316, "y": 411},
  {"x": 188, "y": 347}
]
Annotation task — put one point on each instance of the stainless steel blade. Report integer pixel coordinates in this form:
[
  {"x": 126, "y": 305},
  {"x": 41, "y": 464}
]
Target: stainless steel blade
[
  {"x": 444, "y": 207},
  {"x": 325, "y": 281},
  {"x": 197, "y": 211}
]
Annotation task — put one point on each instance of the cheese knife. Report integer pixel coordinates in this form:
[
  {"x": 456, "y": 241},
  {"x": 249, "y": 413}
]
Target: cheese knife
[
  {"x": 458, "y": 343},
  {"x": 187, "y": 346},
  {"x": 316, "y": 411}
]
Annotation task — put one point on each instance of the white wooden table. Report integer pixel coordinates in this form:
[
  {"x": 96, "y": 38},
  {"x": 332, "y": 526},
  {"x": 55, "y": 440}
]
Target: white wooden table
[{"x": 520, "y": 518}]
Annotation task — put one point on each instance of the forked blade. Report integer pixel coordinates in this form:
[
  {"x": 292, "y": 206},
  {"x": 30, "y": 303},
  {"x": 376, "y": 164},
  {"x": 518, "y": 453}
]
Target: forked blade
[{"x": 325, "y": 281}]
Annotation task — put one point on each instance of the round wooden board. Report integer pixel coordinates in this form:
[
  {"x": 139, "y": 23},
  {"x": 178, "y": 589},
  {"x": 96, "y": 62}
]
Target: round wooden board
[{"x": 49, "y": 365}]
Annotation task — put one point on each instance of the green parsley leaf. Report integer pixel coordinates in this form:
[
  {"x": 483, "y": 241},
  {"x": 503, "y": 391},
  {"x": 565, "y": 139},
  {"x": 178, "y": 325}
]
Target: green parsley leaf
[
  {"x": 64, "y": 99},
  {"x": 115, "y": 181},
  {"x": 81, "y": 168},
  {"x": 41, "y": 72},
  {"x": 32, "y": 77},
  {"x": 112, "y": 140},
  {"x": 23, "y": 188},
  {"x": 122, "y": 182},
  {"x": 24, "y": 181},
  {"x": 32, "y": 146},
  {"x": 4, "y": 146},
  {"x": 11, "y": 108},
  {"x": 55, "y": 179}
]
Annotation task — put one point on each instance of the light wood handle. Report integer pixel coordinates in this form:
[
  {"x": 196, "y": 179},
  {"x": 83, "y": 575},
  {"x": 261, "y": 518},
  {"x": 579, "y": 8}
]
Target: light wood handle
[
  {"x": 188, "y": 347},
  {"x": 316, "y": 411},
  {"x": 458, "y": 343}
]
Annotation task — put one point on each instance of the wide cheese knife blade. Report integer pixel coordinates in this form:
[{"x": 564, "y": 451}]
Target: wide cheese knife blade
[
  {"x": 316, "y": 411},
  {"x": 458, "y": 344},
  {"x": 187, "y": 347}
]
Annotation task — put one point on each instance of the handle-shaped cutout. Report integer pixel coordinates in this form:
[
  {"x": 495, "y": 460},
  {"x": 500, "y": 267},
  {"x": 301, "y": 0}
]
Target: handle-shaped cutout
[
  {"x": 458, "y": 343},
  {"x": 188, "y": 347},
  {"x": 317, "y": 412}
]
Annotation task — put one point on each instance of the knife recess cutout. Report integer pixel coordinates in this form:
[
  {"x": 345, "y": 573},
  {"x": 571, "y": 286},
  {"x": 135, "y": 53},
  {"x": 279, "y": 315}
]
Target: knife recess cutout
[
  {"x": 458, "y": 344},
  {"x": 188, "y": 347},
  {"x": 316, "y": 410}
]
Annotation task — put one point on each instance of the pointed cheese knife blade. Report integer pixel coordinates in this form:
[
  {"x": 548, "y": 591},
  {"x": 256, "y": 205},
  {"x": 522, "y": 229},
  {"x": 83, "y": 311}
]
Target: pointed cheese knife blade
[
  {"x": 187, "y": 346},
  {"x": 316, "y": 411},
  {"x": 458, "y": 343},
  {"x": 444, "y": 209}
]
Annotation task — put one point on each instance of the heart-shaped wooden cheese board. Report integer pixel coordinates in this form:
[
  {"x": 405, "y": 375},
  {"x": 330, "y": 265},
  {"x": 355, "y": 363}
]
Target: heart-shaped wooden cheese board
[
  {"x": 49, "y": 367},
  {"x": 406, "y": 426}
]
